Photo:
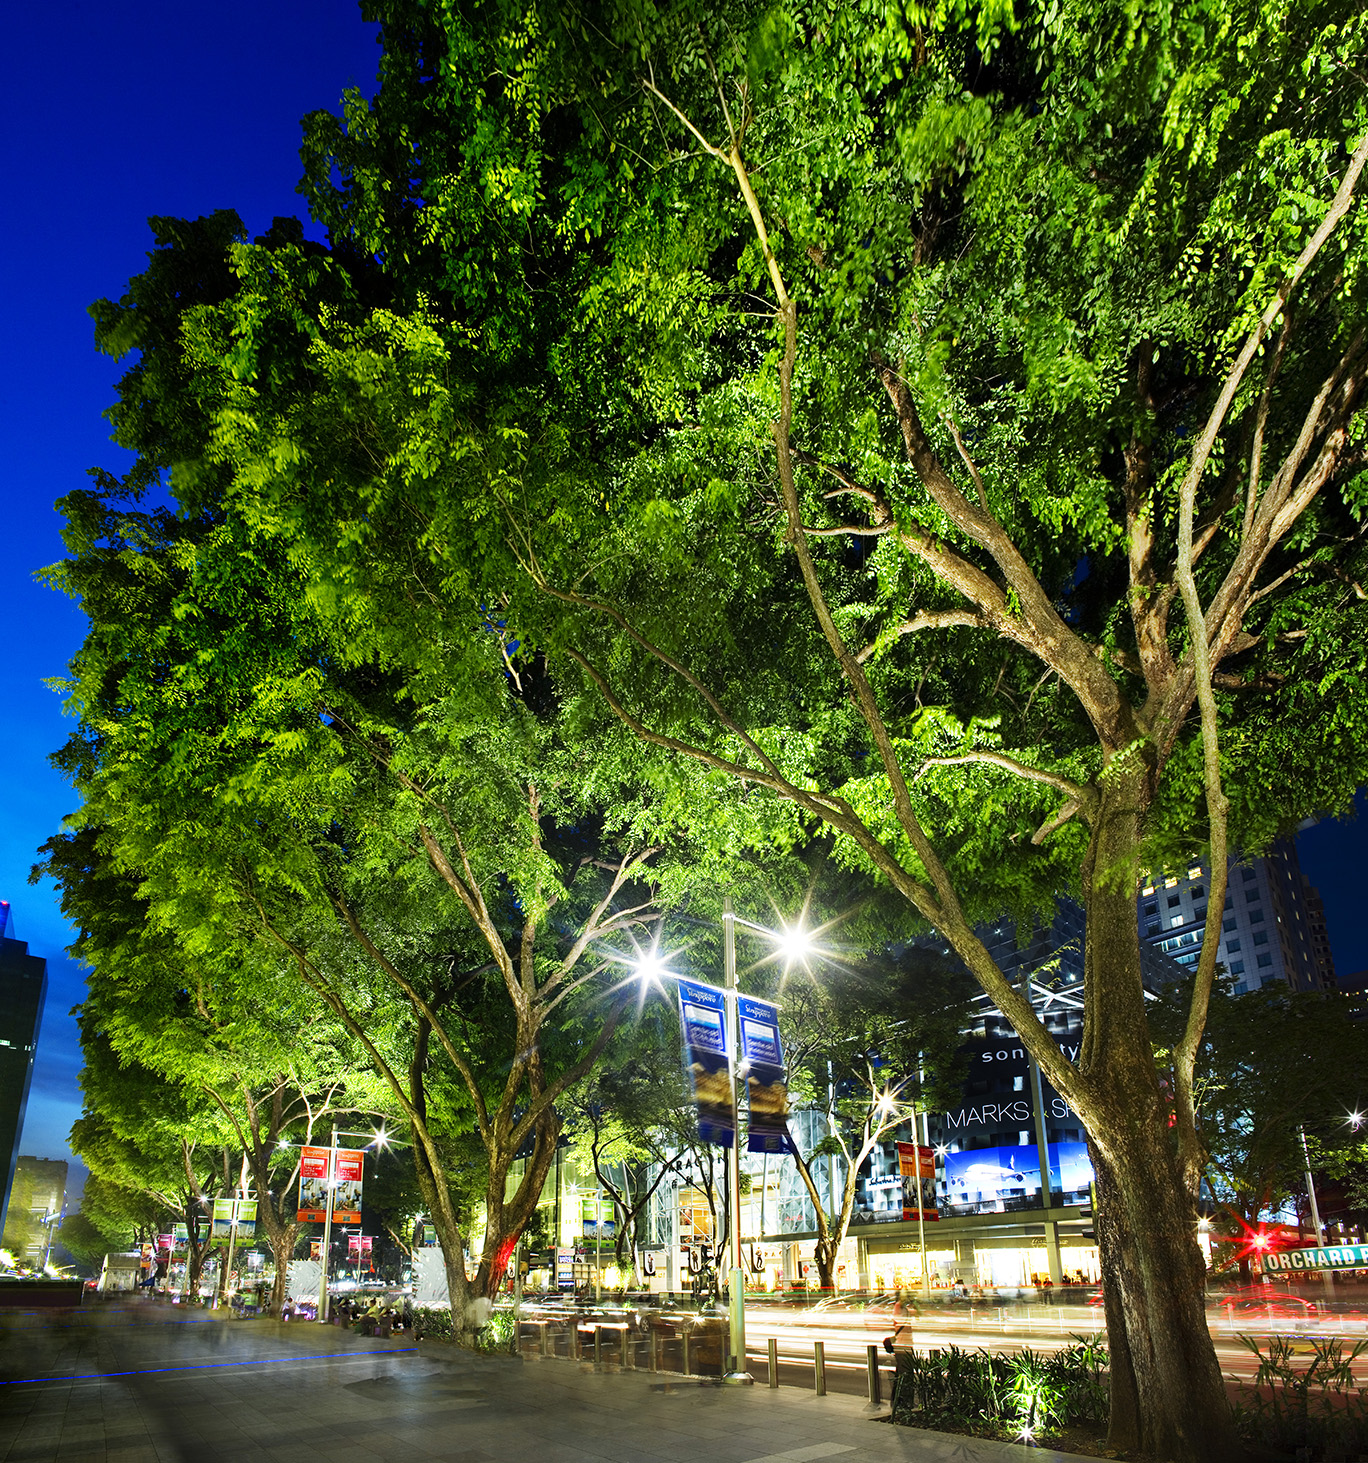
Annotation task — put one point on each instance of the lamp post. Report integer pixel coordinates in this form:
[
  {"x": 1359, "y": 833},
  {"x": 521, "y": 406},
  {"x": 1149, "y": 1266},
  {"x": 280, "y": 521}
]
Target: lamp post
[
  {"x": 736, "y": 1286},
  {"x": 378, "y": 1140},
  {"x": 795, "y": 942},
  {"x": 1315, "y": 1209}
]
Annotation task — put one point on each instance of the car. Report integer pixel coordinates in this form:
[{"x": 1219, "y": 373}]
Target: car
[{"x": 1262, "y": 1300}]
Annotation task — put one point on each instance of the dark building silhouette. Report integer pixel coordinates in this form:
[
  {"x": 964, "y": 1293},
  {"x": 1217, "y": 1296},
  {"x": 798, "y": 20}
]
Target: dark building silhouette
[{"x": 23, "y": 985}]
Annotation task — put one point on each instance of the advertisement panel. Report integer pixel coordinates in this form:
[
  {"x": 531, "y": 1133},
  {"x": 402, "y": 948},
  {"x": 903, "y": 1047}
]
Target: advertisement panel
[
  {"x": 246, "y": 1218},
  {"x": 703, "y": 1017},
  {"x": 764, "y": 1067},
  {"x": 313, "y": 1185},
  {"x": 589, "y": 1222},
  {"x": 917, "y": 1169},
  {"x": 565, "y": 1269},
  {"x": 346, "y": 1204},
  {"x": 222, "y": 1225},
  {"x": 987, "y": 1180}
]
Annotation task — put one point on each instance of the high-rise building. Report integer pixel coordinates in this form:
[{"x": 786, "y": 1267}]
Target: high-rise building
[
  {"x": 1269, "y": 932},
  {"x": 23, "y": 985},
  {"x": 37, "y": 1200},
  {"x": 1320, "y": 933}
]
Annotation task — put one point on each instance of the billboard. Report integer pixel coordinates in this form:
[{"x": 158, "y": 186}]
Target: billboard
[
  {"x": 703, "y": 1017},
  {"x": 917, "y": 1170},
  {"x": 764, "y": 1058},
  {"x": 987, "y": 1180}
]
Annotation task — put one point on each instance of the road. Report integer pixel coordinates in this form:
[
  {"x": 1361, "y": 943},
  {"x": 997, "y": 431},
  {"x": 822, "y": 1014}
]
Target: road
[{"x": 1042, "y": 1328}]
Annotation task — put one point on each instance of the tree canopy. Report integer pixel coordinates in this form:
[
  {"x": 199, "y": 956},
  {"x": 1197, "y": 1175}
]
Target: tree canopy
[{"x": 941, "y": 427}]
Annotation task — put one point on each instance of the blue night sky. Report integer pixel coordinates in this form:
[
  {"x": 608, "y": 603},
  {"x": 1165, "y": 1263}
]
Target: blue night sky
[
  {"x": 116, "y": 113},
  {"x": 113, "y": 113}
]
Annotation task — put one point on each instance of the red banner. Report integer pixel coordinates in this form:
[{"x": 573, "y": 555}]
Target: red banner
[
  {"x": 346, "y": 1204},
  {"x": 313, "y": 1185},
  {"x": 917, "y": 1169},
  {"x": 346, "y": 1185}
]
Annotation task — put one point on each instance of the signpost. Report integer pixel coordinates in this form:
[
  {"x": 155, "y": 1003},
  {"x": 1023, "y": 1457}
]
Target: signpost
[{"x": 1327, "y": 1257}]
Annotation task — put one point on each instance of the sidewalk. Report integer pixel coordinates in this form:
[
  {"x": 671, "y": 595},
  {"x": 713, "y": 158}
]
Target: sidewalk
[{"x": 147, "y": 1388}]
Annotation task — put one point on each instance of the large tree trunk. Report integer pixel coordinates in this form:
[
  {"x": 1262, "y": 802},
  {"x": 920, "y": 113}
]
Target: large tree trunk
[
  {"x": 1168, "y": 1398},
  {"x": 506, "y": 1218}
]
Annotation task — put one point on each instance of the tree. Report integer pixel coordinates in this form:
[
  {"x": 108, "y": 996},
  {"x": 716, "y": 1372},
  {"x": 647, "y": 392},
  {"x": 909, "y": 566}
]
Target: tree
[
  {"x": 868, "y": 1048},
  {"x": 1273, "y": 1065},
  {"x": 1059, "y": 359},
  {"x": 182, "y": 1053},
  {"x": 454, "y": 871}
]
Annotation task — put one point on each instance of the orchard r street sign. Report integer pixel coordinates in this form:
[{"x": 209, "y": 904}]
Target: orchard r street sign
[{"x": 1332, "y": 1257}]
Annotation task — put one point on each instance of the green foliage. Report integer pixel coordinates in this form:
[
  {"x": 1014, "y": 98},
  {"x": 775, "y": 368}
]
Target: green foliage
[
  {"x": 1021, "y": 1395},
  {"x": 1294, "y": 1404},
  {"x": 1273, "y": 1063}
]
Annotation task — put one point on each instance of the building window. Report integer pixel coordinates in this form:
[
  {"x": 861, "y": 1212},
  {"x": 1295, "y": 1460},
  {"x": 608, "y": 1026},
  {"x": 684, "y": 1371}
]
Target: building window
[
  {"x": 1256, "y": 916},
  {"x": 1173, "y": 901},
  {"x": 1230, "y": 902},
  {"x": 1247, "y": 874},
  {"x": 1228, "y": 925},
  {"x": 1261, "y": 937},
  {"x": 1152, "y": 929},
  {"x": 1176, "y": 920},
  {"x": 1199, "y": 913},
  {"x": 1198, "y": 891},
  {"x": 1152, "y": 908},
  {"x": 1237, "y": 967},
  {"x": 1265, "y": 961},
  {"x": 1240, "y": 989},
  {"x": 1232, "y": 948}
]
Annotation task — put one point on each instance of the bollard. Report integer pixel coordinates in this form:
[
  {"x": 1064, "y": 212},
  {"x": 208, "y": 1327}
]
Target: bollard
[
  {"x": 819, "y": 1366},
  {"x": 653, "y": 1352},
  {"x": 773, "y": 1362},
  {"x": 872, "y": 1368},
  {"x": 598, "y": 1344},
  {"x": 684, "y": 1334},
  {"x": 623, "y": 1362},
  {"x": 576, "y": 1341},
  {"x": 545, "y": 1338}
]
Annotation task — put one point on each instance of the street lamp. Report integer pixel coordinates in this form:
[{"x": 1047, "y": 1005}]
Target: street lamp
[
  {"x": 795, "y": 944},
  {"x": 379, "y": 1139}
]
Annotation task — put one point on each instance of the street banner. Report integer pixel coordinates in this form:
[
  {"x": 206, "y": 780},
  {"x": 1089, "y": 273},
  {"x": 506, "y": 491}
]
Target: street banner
[
  {"x": 246, "y": 1218},
  {"x": 313, "y": 1185},
  {"x": 346, "y": 1203},
  {"x": 222, "y": 1219},
  {"x": 763, "y": 1056},
  {"x": 917, "y": 1169},
  {"x": 164, "y": 1243},
  {"x": 181, "y": 1233},
  {"x": 703, "y": 1016},
  {"x": 1329, "y": 1257},
  {"x": 359, "y": 1246},
  {"x": 315, "y": 1249},
  {"x": 589, "y": 1223}
]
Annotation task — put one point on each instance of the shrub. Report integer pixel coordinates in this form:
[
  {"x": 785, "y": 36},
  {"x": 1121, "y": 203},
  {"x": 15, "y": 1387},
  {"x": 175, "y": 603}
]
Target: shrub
[
  {"x": 432, "y": 1323},
  {"x": 1289, "y": 1408},
  {"x": 1020, "y": 1394}
]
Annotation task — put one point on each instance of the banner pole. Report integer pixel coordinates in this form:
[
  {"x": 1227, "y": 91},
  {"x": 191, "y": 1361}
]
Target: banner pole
[
  {"x": 736, "y": 1289},
  {"x": 327, "y": 1228}
]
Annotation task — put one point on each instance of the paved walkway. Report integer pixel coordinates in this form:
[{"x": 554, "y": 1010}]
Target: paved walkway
[{"x": 146, "y": 1385}]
